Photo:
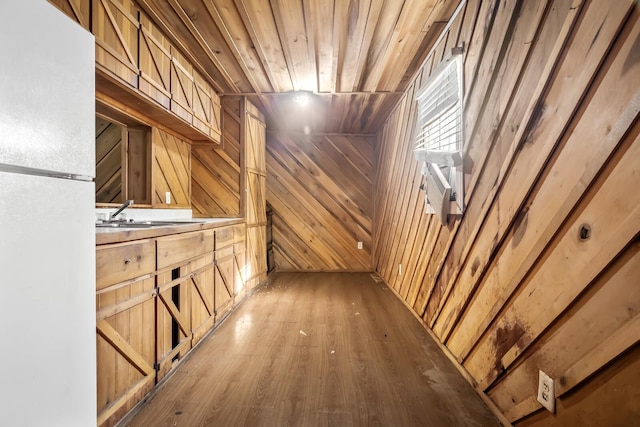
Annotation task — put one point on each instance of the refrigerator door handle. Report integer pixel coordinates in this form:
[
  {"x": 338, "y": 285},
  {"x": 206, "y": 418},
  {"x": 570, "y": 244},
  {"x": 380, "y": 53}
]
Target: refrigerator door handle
[{"x": 24, "y": 170}]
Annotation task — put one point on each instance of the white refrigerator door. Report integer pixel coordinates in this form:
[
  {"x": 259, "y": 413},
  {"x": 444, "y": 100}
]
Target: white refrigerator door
[
  {"x": 47, "y": 301},
  {"x": 47, "y": 106}
]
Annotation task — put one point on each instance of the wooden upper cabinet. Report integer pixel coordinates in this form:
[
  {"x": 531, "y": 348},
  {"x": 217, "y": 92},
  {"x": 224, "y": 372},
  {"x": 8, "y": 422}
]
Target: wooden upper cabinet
[
  {"x": 206, "y": 108},
  {"x": 78, "y": 10},
  {"x": 115, "y": 26},
  {"x": 182, "y": 84},
  {"x": 155, "y": 63},
  {"x": 133, "y": 53}
]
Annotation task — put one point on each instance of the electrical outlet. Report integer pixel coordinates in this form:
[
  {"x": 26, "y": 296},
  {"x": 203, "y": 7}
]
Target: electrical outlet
[
  {"x": 399, "y": 269},
  {"x": 359, "y": 245},
  {"x": 167, "y": 197},
  {"x": 546, "y": 392}
]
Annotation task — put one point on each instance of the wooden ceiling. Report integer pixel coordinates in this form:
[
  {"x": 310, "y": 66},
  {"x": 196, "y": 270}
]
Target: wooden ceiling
[{"x": 355, "y": 56}]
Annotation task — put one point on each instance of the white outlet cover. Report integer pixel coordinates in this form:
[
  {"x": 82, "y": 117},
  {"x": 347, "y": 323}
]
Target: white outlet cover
[
  {"x": 167, "y": 197},
  {"x": 546, "y": 392},
  {"x": 359, "y": 245},
  {"x": 399, "y": 269}
]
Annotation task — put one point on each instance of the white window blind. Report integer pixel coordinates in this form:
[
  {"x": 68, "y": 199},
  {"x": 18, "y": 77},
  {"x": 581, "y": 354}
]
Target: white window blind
[
  {"x": 439, "y": 138},
  {"x": 439, "y": 112}
]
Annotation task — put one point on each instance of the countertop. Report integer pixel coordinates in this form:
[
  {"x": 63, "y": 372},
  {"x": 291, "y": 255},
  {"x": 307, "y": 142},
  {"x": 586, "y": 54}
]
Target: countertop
[{"x": 105, "y": 235}]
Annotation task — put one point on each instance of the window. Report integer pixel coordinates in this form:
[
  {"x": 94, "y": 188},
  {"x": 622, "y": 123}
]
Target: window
[{"x": 439, "y": 139}]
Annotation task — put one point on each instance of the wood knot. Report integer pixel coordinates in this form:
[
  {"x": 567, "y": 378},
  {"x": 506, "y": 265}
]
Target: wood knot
[{"x": 584, "y": 232}]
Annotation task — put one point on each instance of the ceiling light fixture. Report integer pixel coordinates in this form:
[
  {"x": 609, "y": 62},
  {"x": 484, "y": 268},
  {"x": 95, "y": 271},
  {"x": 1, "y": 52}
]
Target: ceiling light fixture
[{"x": 302, "y": 98}]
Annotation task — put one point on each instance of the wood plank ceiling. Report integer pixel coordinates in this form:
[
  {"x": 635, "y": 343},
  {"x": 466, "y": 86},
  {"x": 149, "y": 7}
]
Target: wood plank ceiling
[{"x": 355, "y": 56}]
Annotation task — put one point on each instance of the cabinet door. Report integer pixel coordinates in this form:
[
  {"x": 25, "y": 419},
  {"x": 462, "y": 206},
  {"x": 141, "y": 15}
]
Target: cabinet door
[
  {"x": 224, "y": 280},
  {"x": 178, "y": 258},
  {"x": 155, "y": 63},
  {"x": 202, "y": 296},
  {"x": 202, "y": 104},
  {"x": 239, "y": 253},
  {"x": 181, "y": 86},
  {"x": 173, "y": 317},
  {"x": 125, "y": 347},
  {"x": 125, "y": 320},
  {"x": 115, "y": 26},
  {"x": 255, "y": 204}
]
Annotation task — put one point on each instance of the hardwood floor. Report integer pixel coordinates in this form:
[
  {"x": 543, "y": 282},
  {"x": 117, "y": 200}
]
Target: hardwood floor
[{"x": 317, "y": 349}]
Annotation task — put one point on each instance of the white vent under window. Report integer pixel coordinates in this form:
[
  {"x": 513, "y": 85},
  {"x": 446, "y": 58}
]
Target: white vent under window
[{"x": 439, "y": 139}]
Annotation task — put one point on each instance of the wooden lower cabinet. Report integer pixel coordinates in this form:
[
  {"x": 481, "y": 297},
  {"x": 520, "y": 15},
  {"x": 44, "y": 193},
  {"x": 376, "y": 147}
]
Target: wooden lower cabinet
[
  {"x": 125, "y": 315},
  {"x": 173, "y": 317},
  {"x": 223, "y": 277},
  {"x": 175, "y": 258},
  {"x": 155, "y": 300},
  {"x": 240, "y": 260},
  {"x": 202, "y": 297}
]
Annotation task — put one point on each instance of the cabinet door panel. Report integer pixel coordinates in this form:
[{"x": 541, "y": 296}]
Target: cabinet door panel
[
  {"x": 181, "y": 86},
  {"x": 155, "y": 63},
  {"x": 115, "y": 26},
  {"x": 202, "y": 297},
  {"x": 202, "y": 104},
  {"x": 125, "y": 347},
  {"x": 173, "y": 315},
  {"x": 256, "y": 210},
  {"x": 223, "y": 284}
]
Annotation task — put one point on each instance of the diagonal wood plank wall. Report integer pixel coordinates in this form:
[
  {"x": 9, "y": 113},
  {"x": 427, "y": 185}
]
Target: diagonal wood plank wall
[
  {"x": 171, "y": 167},
  {"x": 320, "y": 189},
  {"x": 215, "y": 173},
  {"x": 541, "y": 272},
  {"x": 108, "y": 161}
]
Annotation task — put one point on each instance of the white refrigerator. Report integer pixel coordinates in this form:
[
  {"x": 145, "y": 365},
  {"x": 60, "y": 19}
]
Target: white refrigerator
[{"x": 47, "y": 235}]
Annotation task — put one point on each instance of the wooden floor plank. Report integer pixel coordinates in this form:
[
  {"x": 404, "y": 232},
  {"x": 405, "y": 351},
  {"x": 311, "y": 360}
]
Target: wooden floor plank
[{"x": 317, "y": 349}]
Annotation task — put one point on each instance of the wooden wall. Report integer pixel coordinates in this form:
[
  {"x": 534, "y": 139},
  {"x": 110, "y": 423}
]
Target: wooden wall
[
  {"x": 542, "y": 270},
  {"x": 320, "y": 190},
  {"x": 108, "y": 161},
  {"x": 171, "y": 170},
  {"x": 216, "y": 169}
]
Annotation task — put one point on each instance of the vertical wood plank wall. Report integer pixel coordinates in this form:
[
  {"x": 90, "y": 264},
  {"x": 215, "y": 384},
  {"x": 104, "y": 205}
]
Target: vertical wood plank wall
[
  {"x": 215, "y": 172},
  {"x": 542, "y": 270},
  {"x": 320, "y": 190}
]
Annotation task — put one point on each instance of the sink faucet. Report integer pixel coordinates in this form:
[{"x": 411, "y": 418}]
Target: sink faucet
[{"x": 122, "y": 207}]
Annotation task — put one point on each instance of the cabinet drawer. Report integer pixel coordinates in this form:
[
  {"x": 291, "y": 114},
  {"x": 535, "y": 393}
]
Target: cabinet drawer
[
  {"x": 117, "y": 263},
  {"x": 176, "y": 249},
  {"x": 224, "y": 237}
]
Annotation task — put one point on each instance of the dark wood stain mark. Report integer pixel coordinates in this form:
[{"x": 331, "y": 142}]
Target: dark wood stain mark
[
  {"x": 474, "y": 266},
  {"x": 505, "y": 339},
  {"x": 536, "y": 117},
  {"x": 634, "y": 56},
  {"x": 520, "y": 226}
]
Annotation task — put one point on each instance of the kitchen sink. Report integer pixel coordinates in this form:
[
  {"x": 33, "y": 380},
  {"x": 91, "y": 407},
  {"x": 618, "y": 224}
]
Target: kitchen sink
[{"x": 142, "y": 224}]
